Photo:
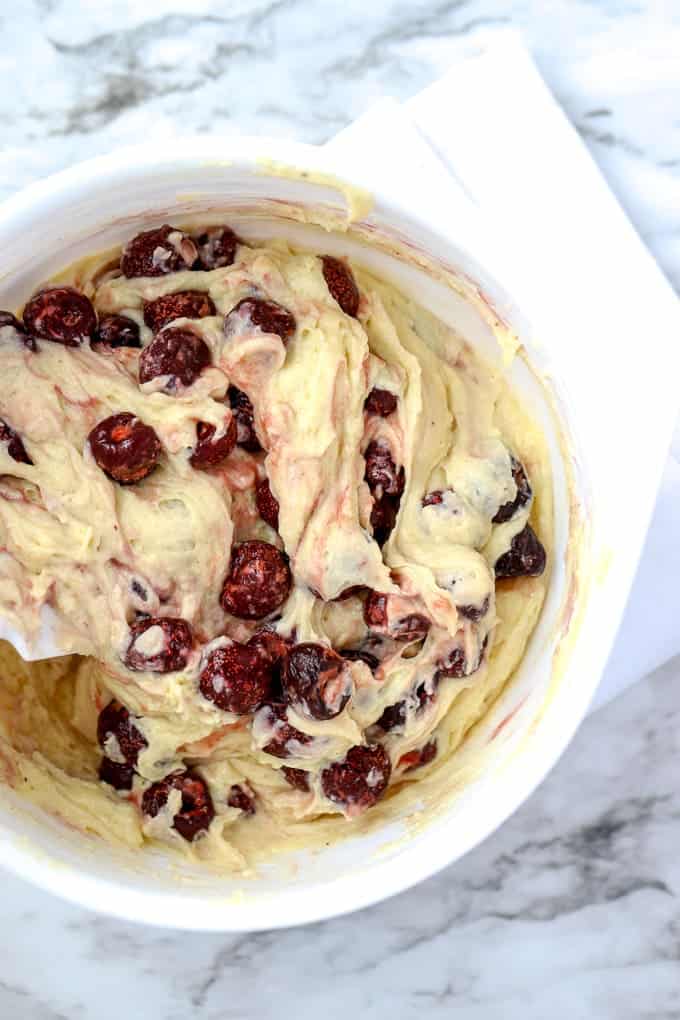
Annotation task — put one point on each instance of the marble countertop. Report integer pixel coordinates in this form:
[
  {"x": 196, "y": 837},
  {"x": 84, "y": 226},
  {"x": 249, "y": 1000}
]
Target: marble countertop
[{"x": 571, "y": 909}]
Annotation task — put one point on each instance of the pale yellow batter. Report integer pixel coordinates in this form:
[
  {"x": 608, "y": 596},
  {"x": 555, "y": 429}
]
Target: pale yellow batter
[{"x": 76, "y": 539}]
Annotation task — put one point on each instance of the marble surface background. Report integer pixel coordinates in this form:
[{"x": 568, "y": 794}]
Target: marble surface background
[{"x": 571, "y": 909}]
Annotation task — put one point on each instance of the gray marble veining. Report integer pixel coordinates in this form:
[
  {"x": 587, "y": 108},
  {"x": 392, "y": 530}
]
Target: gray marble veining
[
  {"x": 571, "y": 909},
  {"x": 82, "y": 78}
]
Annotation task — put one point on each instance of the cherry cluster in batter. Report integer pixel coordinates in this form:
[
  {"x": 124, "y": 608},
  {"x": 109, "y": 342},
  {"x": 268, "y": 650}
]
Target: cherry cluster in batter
[{"x": 267, "y": 674}]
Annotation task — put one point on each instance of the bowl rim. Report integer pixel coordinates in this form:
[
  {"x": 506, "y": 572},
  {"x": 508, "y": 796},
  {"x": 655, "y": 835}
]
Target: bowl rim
[{"x": 293, "y": 905}]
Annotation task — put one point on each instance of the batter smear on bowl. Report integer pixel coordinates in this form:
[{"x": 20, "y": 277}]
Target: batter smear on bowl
[{"x": 293, "y": 525}]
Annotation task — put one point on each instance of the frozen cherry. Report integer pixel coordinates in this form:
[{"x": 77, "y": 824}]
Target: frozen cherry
[
  {"x": 124, "y": 447},
  {"x": 381, "y": 472},
  {"x": 274, "y": 715},
  {"x": 270, "y": 645},
  {"x": 196, "y": 810},
  {"x": 411, "y": 627},
  {"x": 384, "y": 517},
  {"x": 420, "y": 756},
  {"x": 216, "y": 247},
  {"x": 380, "y": 402},
  {"x": 258, "y": 582},
  {"x": 359, "y": 655},
  {"x": 242, "y": 798},
  {"x": 237, "y": 678},
  {"x": 117, "y": 331},
  {"x": 297, "y": 778},
  {"x": 341, "y": 284},
  {"x": 525, "y": 557},
  {"x": 115, "y": 722},
  {"x": 61, "y": 314},
  {"x": 116, "y": 774},
  {"x": 160, "y": 644},
  {"x": 508, "y": 510},
  {"x": 209, "y": 451},
  {"x": 360, "y": 780},
  {"x": 179, "y": 354},
  {"x": 455, "y": 665},
  {"x": 375, "y": 610},
  {"x": 263, "y": 316},
  {"x": 15, "y": 330},
  {"x": 245, "y": 420},
  {"x": 474, "y": 613},
  {"x": 157, "y": 252},
  {"x": 185, "y": 304},
  {"x": 394, "y": 716},
  {"x": 316, "y": 680},
  {"x": 267, "y": 504},
  {"x": 273, "y": 649},
  {"x": 15, "y": 446}
]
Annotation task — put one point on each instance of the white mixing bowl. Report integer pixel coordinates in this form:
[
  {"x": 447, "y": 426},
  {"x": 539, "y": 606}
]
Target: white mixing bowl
[{"x": 107, "y": 200}]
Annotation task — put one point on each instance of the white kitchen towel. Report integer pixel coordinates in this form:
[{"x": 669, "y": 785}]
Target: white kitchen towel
[{"x": 466, "y": 130}]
